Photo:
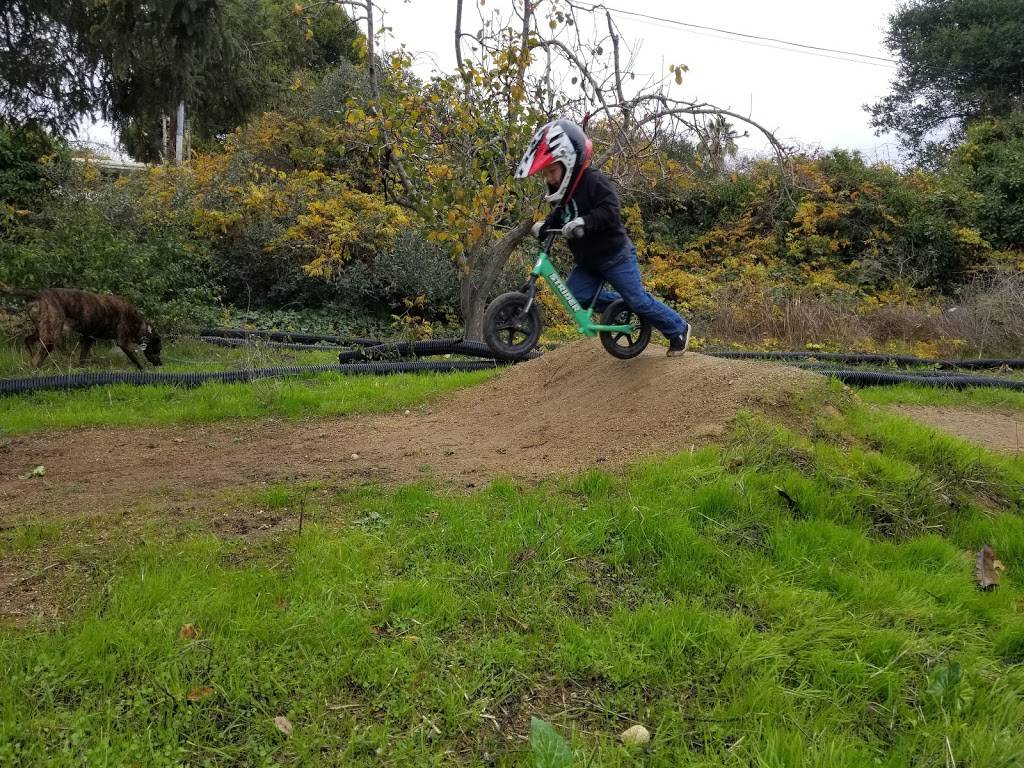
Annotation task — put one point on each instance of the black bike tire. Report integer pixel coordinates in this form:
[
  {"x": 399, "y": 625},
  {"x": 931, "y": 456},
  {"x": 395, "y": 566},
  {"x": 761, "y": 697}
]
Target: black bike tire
[
  {"x": 613, "y": 349},
  {"x": 498, "y": 346}
]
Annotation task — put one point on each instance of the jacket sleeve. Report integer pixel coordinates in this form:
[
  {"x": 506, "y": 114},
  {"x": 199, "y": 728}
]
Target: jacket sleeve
[
  {"x": 552, "y": 221},
  {"x": 604, "y": 213}
]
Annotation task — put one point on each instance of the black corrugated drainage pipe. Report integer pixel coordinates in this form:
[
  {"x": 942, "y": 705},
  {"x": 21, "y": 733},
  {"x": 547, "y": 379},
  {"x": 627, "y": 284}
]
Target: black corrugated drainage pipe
[
  {"x": 391, "y": 350},
  {"x": 882, "y": 378},
  {"x": 966, "y": 364}
]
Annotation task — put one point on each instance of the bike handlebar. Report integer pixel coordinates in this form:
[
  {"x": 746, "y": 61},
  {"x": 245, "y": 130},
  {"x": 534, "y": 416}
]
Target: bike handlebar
[{"x": 549, "y": 235}]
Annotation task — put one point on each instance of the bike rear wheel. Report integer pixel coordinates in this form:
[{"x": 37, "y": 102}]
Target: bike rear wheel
[{"x": 618, "y": 343}]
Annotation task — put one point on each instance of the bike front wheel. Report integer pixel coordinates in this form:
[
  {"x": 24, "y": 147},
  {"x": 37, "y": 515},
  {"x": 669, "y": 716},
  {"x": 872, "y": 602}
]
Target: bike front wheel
[{"x": 510, "y": 329}]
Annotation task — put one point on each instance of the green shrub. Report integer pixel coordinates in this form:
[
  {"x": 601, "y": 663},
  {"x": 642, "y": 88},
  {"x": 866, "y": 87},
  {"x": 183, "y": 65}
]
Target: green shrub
[{"x": 89, "y": 235}]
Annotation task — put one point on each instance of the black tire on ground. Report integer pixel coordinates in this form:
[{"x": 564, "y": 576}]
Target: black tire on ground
[
  {"x": 624, "y": 345},
  {"x": 509, "y": 332}
]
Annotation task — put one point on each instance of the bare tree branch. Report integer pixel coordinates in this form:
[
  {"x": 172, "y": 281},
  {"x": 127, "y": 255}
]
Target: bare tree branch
[
  {"x": 371, "y": 55},
  {"x": 458, "y": 38},
  {"x": 574, "y": 59},
  {"x": 371, "y": 65},
  {"x": 524, "y": 51},
  {"x": 615, "y": 52}
]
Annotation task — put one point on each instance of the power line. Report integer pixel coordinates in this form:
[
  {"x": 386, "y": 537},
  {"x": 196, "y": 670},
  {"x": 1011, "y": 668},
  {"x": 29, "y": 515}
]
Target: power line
[
  {"x": 822, "y": 49},
  {"x": 780, "y": 48}
]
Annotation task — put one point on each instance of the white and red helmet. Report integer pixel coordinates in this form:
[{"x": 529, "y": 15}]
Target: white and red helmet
[{"x": 560, "y": 141}]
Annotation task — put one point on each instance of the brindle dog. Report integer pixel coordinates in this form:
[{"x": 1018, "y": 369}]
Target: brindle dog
[{"x": 93, "y": 316}]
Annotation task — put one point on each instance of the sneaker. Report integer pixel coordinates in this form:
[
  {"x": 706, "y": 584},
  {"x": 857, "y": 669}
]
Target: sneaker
[{"x": 678, "y": 345}]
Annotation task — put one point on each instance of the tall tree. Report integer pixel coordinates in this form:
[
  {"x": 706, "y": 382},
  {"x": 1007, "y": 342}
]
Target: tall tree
[
  {"x": 228, "y": 59},
  {"x": 158, "y": 54},
  {"x": 959, "y": 60},
  {"x": 49, "y": 70},
  {"x": 132, "y": 62},
  {"x": 990, "y": 163}
]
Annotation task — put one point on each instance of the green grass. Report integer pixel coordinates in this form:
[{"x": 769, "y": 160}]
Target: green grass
[
  {"x": 911, "y": 394},
  {"x": 293, "y": 398},
  {"x": 837, "y": 627},
  {"x": 320, "y": 395}
]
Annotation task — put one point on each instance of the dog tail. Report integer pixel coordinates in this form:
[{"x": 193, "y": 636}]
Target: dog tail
[{"x": 24, "y": 293}]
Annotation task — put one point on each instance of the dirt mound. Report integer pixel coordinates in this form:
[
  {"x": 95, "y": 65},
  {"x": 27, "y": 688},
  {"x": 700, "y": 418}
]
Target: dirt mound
[
  {"x": 578, "y": 406},
  {"x": 573, "y": 408}
]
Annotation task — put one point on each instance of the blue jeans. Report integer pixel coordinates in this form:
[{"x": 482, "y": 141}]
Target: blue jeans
[{"x": 584, "y": 283}]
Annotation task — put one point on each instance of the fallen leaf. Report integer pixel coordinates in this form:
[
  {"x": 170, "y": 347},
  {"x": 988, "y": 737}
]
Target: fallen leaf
[
  {"x": 283, "y": 725},
  {"x": 549, "y": 748},
  {"x": 35, "y": 472},
  {"x": 200, "y": 693},
  {"x": 985, "y": 572},
  {"x": 188, "y": 632},
  {"x": 635, "y": 735}
]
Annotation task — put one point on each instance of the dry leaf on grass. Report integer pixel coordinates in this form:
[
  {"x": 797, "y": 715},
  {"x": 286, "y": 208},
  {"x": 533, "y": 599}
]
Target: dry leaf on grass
[
  {"x": 198, "y": 694},
  {"x": 986, "y": 568},
  {"x": 283, "y": 725}
]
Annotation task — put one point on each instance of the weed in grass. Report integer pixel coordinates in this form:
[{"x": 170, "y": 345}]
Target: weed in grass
[{"x": 25, "y": 537}]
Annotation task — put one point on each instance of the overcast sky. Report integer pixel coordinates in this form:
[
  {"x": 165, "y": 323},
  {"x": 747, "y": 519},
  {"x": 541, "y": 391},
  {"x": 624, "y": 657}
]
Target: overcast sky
[{"x": 805, "y": 97}]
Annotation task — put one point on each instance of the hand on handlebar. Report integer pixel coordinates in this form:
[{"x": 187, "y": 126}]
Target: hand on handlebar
[
  {"x": 570, "y": 230},
  {"x": 573, "y": 228}
]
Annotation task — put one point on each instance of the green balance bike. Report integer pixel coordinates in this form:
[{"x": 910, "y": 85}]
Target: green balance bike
[{"x": 512, "y": 322}]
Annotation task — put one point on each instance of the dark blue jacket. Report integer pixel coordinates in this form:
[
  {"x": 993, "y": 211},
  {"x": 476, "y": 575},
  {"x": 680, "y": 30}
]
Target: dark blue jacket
[{"x": 604, "y": 242}]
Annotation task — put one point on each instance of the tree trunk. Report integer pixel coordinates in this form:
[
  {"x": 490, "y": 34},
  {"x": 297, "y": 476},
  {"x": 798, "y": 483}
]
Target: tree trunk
[
  {"x": 476, "y": 286},
  {"x": 179, "y": 134},
  {"x": 473, "y": 305}
]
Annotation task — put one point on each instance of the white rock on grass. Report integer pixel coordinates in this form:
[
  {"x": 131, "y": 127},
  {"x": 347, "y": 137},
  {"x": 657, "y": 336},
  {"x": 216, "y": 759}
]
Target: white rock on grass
[{"x": 635, "y": 736}]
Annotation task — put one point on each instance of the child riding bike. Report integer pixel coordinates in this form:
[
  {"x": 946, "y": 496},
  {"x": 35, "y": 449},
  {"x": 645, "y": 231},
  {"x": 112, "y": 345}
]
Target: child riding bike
[{"x": 586, "y": 209}]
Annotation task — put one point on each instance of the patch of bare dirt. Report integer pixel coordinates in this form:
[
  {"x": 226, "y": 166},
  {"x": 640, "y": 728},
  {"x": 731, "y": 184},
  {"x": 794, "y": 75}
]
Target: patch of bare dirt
[
  {"x": 26, "y": 593},
  {"x": 997, "y": 430}
]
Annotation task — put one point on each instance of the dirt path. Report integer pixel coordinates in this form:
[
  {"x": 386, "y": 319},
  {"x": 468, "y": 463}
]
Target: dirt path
[
  {"x": 573, "y": 408},
  {"x": 998, "y": 430}
]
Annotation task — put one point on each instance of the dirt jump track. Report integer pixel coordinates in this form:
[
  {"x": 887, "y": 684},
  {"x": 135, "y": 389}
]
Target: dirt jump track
[{"x": 573, "y": 408}]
